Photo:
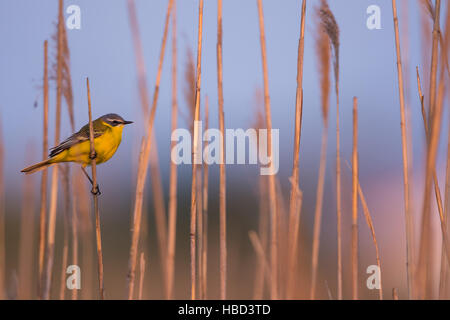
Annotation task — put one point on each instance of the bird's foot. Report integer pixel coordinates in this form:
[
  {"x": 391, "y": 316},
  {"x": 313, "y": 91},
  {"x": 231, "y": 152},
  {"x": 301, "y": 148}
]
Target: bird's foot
[
  {"x": 93, "y": 155},
  {"x": 96, "y": 191}
]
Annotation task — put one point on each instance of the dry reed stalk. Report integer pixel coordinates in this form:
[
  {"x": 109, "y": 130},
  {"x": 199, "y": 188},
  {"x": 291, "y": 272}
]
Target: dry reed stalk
[
  {"x": 261, "y": 253},
  {"x": 2, "y": 220},
  {"x": 141, "y": 275},
  {"x": 272, "y": 185},
  {"x": 294, "y": 211},
  {"x": 160, "y": 210},
  {"x": 199, "y": 196},
  {"x": 369, "y": 221},
  {"x": 406, "y": 184},
  {"x": 74, "y": 225},
  {"x": 205, "y": 213},
  {"x": 434, "y": 56},
  {"x": 171, "y": 244},
  {"x": 258, "y": 290},
  {"x": 394, "y": 293},
  {"x": 331, "y": 28},
  {"x": 146, "y": 145},
  {"x": 445, "y": 270},
  {"x": 95, "y": 193},
  {"x": 323, "y": 53},
  {"x": 437, "y": 191},
  {"x": 66, "y": 186},
  {"x": 193, "y": 224},
  {"x": 355, "y": 174},
  {"x": 222, "y": 187},
  {"x": 54, "y": 184},
  {"x": 26, "y": 248},
  {"x": 432, "y": 145},
  {"x": 43, "y": 208}
]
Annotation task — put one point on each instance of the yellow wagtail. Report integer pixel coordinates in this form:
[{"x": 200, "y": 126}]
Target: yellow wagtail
[{"x": 76, "y": 148}]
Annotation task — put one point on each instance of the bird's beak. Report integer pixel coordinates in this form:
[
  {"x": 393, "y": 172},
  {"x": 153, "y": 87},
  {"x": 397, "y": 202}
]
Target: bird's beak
[{"x": 127, "y": 122}]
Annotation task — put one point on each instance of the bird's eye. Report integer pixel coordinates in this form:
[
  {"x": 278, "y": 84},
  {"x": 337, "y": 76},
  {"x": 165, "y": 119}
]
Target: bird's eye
[{"x": 115, "y": 122}]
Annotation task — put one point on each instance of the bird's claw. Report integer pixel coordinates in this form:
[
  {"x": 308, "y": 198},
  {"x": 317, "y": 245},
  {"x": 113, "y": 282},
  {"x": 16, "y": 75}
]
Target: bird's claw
[
  {"x": 96, "y": 191},
  {"x": 93, "y": 155}
]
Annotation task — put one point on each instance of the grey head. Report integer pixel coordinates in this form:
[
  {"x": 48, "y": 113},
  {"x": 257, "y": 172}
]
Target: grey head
[{"x": 114, "y": 119}]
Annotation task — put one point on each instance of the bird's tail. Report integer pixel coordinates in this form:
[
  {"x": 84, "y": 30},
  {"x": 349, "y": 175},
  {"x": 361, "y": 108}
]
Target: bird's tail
[{"x": 38, "y": 166}]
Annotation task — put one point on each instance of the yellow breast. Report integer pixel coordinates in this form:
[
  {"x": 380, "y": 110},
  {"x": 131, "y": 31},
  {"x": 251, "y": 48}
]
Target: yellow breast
[{"x": 105, "y": 147}]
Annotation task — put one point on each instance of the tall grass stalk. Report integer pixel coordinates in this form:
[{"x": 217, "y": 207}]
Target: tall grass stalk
[
  {"x": 26, "y": 247},
  {"x": 54, "y": 184},
  {"x": 43, "y": 204},
  {"x": 222, "y": 187},
  {"x": 204, "y": 252},
  {"x": 193, "y": 223},
  {"x": 294, "y": 210},
  {"x": 432, "y": 145},
  {"x": 369, "y": 221},
  {"x": 143, "y": 163},
  {"x": 171, "y": 244},
  {"x": 141, "y": 275},
  {"x": 272, "y": 184},
  {"x": 95, "y": 193},
  {"x": 406, "y": 185},
  {"x": 355, "y": 179},
  {"x": 323, "y": 53}
]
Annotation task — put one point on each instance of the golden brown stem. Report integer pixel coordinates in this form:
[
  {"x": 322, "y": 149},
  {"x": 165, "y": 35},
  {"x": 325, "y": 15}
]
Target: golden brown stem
[
  {"x": 146, "y": 143},
  {"x": 141, "y": 275},
  {"x": 95, "y": 193},
  {"x": 171, "y": 245},
  {"x": 193, "y": 230},
  {"x": 222, "y": 192},
  {"x": 406, "y": 187},
  {"x": 43, "y": 209},
  {"x": 355, "y": 201},
  {"x": 272, "y": 185},
  {"x": 294, "y": 210}
]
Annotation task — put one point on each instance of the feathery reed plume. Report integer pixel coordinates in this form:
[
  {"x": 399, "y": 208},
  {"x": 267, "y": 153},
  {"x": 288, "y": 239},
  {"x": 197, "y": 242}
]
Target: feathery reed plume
[
  {"x": 43, "y": 208},
  {"x": 141, "y": 274},
  {"x": 193, "y": 224},
  {"x": 2, "y": 220},
  {"x": 222, "y": 187},
  {"x": 146, "y": 144},
  {"x": 26, "y": 247},
  {"x": 294, "y": 210},
  {"x": 95, "y": 193},
  {"x": 406, "y": 185},
  {"x": 171, "y": 244},
  {"x": 204, "y": 252},
  {"x": 189, "y": 88},
  {"x": 355, "y": 174},
  {"x": 272, "y": 185},
  {"x": 54, "y": 184},
  {"x": 332, "y": 30},
  {"x": 434, "y": 126},
  {"x": 323, "y": 47}
]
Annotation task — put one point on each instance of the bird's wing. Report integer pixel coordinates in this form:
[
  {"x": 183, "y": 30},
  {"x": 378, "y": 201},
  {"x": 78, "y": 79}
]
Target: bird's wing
[{"x": 76, "y": 138}]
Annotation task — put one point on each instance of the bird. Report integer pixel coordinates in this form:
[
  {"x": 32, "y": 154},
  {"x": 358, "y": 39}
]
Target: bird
[{"x": 107, "y": 137}]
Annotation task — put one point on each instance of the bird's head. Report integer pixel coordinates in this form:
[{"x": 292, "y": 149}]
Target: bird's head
[{"x": 114, "y": 120}]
